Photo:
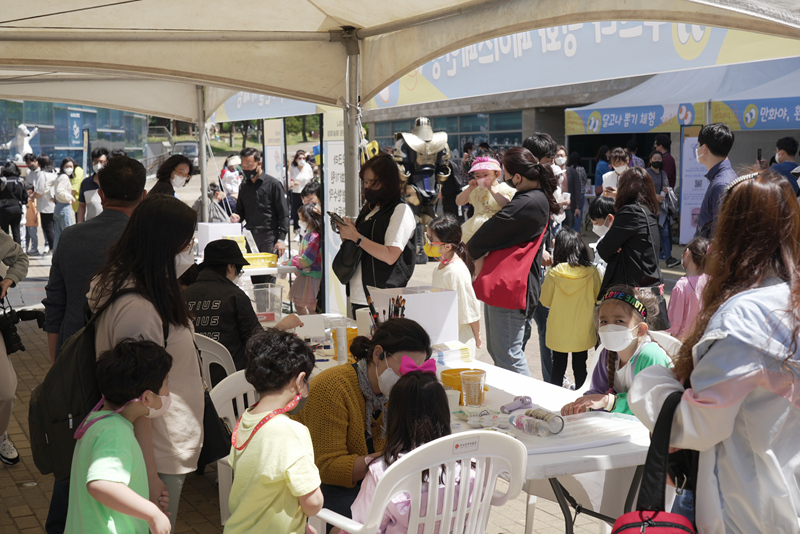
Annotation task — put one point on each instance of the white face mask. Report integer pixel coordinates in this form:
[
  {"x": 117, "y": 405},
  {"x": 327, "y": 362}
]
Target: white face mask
[
  {"x": 697, "y": 154},
  {"x": 620, "y": 169},
  {"x": 561, "y": 160},
  {"x": 165, "y": 402},
  {"x": 777, "y": 157},
  {"x": 387, "y": 379},
  {"x": 178, "y": 181},
  {"x": 183, "y": 260},
  {"x": 97, "y": 167},
  {"x": 301, "y": 162},
  {"x": 68, "y": 171},
  {"x": 303, "y": 226},
  {"x": 616, "y": 337},
  {"x": 599, "y": 229}
]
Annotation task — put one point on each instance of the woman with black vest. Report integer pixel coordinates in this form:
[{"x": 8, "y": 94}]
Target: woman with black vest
[{"x": 384, "y": 231}]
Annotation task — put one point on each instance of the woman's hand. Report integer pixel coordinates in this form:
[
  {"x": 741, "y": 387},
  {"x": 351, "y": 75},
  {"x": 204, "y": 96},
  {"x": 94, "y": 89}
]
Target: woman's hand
[
  {"x": 610, "y": 192},
  {"x": 348, "y": 230}
]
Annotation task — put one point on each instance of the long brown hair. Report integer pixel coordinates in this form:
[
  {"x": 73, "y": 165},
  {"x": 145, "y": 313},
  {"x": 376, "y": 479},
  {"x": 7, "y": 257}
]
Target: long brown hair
[
  {"x": 636, "y": 187},
  {"x": 756, "y": 236},
  {"x": 519, "y": 160}
]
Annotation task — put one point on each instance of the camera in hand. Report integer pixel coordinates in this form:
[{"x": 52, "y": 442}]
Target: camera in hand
[{"x": 8, "y": 321}]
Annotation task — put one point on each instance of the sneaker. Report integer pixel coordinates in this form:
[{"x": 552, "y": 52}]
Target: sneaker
[
  {"x": 8, "y": 453},
  {"x": 567, "y": 383},
  {"x": 672, "y": 262}
]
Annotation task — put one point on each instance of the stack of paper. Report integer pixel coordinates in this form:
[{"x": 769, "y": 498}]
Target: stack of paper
[{"x": 451, "y": 352}]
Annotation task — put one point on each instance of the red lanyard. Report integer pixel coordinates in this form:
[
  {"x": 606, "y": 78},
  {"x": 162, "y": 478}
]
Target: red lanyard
[{"x": 261, "y": 423}]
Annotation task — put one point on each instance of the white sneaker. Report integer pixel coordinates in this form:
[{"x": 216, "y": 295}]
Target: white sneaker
[
  {"x": 8, "y": 453},
  {"x": 567, "y": 384}
]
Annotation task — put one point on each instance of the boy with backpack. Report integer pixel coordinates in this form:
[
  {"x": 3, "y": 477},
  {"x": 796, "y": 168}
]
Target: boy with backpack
[{"x": 108, "y": 482}]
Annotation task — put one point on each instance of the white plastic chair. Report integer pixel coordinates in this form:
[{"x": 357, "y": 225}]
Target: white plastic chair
[
  {"x": 233, "y": 391},
  {"x": 494, "y": 454},
  {"x": 213, "y": 352}
]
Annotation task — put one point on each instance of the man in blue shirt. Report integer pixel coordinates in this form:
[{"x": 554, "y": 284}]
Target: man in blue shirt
[
  {"x": 714, "y": 143},
  {"x": 785, "y": 152}
]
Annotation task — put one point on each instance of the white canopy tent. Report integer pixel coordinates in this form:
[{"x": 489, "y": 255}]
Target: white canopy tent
[{"x": 357, "y": 47}]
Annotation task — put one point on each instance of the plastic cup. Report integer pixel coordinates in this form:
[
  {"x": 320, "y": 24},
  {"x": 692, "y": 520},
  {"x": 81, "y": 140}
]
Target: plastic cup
[
  {"x": 453, "y": 399},
  {"x": 566, "y": 197},
  {"x": 472, "y": 383}
]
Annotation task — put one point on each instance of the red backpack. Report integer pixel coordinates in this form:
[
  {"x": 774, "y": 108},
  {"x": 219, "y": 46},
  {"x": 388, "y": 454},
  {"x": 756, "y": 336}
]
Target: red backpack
[{"x": 650, "y": 516}]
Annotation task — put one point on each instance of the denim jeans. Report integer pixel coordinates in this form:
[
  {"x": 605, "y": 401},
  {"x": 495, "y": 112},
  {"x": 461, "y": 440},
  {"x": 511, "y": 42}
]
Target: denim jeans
[
  {"x": 32, "y": 239},
  {"x": 666, "y": 240},
  {"x": 684, "y": 505},
  {"x": 64, "y": 217},
  {"x": 505, "y": 330}
]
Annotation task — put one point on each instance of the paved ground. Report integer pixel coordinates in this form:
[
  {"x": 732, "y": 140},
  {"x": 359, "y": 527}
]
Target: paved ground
[{"x": 25, "y": 494}]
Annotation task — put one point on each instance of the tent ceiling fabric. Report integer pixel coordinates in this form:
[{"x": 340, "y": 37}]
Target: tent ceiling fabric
[{"x": 257, "y": 46}]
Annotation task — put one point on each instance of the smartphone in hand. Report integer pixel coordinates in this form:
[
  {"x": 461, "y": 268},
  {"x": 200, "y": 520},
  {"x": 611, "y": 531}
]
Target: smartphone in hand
[{"x": 335, "y": 217}]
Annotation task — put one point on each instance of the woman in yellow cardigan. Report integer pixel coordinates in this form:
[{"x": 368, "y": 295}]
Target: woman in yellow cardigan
[{"x": 346, "y": 407}]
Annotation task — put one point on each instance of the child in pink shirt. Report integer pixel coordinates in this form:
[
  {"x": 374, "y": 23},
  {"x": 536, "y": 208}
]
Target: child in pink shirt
[{"x": 685, "y": 300}]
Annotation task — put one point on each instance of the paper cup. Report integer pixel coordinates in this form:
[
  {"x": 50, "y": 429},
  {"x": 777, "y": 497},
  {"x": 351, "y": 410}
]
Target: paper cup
[{"x": 453, "y": 399}]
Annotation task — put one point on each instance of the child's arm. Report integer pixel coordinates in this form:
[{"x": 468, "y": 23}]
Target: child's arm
[
  {"x": 123, "y": 499},
  {"x": 463, "y": 197},
  {"x": 309, "y": 255},
  {"x": 311, "y": 503},
  {"x": 476, "y": 332},
  {"x": 499, "y": 197}
]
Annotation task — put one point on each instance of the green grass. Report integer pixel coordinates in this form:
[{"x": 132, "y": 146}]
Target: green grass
[{"x": 223, "y": 148}]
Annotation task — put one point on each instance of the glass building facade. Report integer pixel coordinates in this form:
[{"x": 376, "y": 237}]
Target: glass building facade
[
  {"x": 61, "y": 128},
  {"x": 501, "y": 130}
]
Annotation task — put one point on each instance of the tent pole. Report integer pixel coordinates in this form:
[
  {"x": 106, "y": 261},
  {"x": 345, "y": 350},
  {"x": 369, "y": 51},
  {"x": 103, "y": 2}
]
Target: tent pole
[
  {"x": 201, "y": 139},
  {"x": 351, "y": 140}
]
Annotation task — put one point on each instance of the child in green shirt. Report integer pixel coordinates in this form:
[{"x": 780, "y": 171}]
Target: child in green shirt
[{"x": 108, "y": 491}]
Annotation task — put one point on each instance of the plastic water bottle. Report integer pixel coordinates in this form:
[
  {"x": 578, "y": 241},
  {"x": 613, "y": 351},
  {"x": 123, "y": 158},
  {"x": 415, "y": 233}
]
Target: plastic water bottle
[{"x": 530, "y": 425}]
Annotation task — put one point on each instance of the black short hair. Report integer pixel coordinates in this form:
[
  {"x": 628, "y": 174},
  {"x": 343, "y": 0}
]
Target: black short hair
[
  {"x": 601, "y": 207},
  {"x": 570, "y": 249},
  {"x": 468, "y": 146},
  {"x": 131, "y": 368},
  {"x": 664, "y": 140},
  {"x": 718, "y": 137},
  {"x": 45, "y": 163},
  {"x": 788, "y": 145},
  {"x": 314, "y": 187},
  {"x": 122, "y": 180},
  {"x": 10, "y": 170},
  {"x": 632, "y": 146},
  {"x": 485, "y": 146},
  {"x": 274, "y": 358},
  {"x": 118, "y": 152},
  {"x": 100, "y": 151},
  {"x": 250, "y": 151},
  {"x": 541, "y": 145},
  {"x": 29, "y": 157}
]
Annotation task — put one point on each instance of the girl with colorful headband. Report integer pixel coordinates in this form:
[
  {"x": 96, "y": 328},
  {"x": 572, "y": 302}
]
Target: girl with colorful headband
[
  {"x": 622, "y": 320},
  {"x": 485, "y": 193}
]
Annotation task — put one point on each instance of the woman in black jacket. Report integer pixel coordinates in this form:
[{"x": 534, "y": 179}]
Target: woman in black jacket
[
  {"x": 519, "y": 223},
  {"x": 13, "y": 196},
  {"x": 630, "y": 245},
  {"x": 175, "y": 172}
]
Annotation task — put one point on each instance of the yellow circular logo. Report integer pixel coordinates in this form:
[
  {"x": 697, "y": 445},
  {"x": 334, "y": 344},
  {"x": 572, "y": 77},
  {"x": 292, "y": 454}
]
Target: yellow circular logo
[
  {"x": 690, "y": 39},
  {"x": 750, "y": 115},
  {"x": 593, "y": 124}
]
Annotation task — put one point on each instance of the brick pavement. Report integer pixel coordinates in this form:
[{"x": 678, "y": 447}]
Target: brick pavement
[{"x": 25, "y": 493}]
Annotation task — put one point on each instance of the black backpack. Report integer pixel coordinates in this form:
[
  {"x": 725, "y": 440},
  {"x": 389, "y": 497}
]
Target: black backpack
[{"x": 65, "y": 397}]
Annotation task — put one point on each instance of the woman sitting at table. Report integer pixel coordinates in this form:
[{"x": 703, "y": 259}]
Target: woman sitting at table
[{"x": 346, "y": 408}]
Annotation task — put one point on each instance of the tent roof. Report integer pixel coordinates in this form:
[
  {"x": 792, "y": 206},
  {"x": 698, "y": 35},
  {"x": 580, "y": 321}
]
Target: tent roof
[
  {"x": 257, "y": 46},
  {"x": 725, "y": 82}
]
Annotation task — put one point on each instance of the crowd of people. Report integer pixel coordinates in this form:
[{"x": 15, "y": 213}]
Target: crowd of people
[{"x": 518, "y": 259}]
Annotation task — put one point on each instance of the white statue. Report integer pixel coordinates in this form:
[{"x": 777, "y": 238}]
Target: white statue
[{"x": 22, "y": 142}]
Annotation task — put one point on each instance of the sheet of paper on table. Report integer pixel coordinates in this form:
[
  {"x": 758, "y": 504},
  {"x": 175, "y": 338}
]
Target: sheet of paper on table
[{"x": 584, "y": 431}]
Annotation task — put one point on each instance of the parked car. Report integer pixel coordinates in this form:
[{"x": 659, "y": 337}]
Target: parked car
[{"x": 190, "y": 149}]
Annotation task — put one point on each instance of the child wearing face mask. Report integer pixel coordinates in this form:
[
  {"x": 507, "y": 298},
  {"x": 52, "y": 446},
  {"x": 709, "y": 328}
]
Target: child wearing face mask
[
  {"x": 455, "y": 272},
  {"x": 308, "y": 261},
  {"x": 685, "y": 300},
  {"x": 619, "y": 164},
  {"x": 108, "y": 491},
  {"x": 601, "y": 213},
  {"x": 419, "y": 415},
  {"x": 622, "y": 321},
  {"x": 276, "y": 484},
  {"x": 485, "y": 193},
  {"x": 569, "y": 289}
]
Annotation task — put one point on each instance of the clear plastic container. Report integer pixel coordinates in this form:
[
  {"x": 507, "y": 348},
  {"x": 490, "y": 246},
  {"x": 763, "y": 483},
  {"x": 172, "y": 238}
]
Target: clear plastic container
[
  {"x": 554, "y": 421},
  {"x": 530, "y": 425}
]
